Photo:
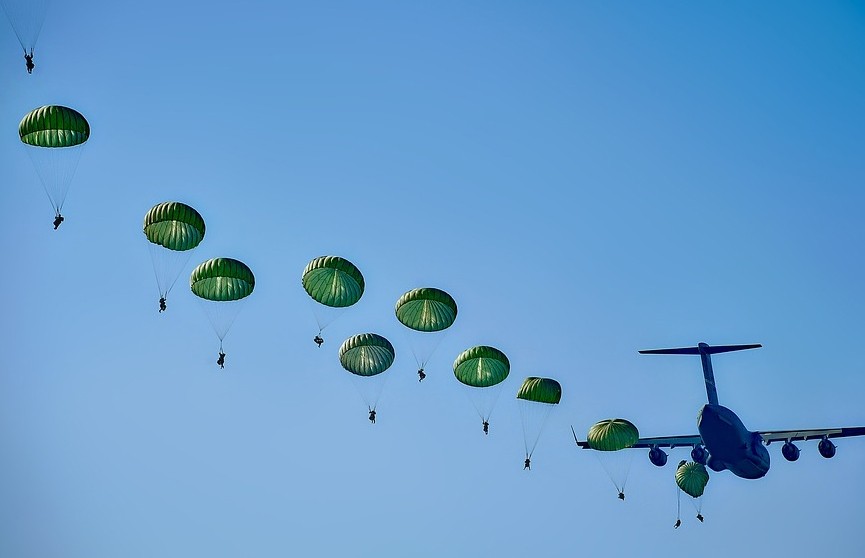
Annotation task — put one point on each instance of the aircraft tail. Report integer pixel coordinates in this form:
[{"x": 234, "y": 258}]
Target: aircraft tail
[{"x": 705, "y": 351}]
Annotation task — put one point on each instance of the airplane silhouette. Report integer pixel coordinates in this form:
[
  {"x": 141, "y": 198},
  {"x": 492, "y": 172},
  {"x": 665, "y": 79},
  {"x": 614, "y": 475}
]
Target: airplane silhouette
[{"x": 723, "y": 442}]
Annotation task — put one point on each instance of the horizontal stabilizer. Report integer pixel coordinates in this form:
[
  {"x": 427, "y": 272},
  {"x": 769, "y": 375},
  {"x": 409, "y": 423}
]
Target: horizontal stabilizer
[
  {"x": 682, "y": 351},
  {"x": 701, "y": 349}
]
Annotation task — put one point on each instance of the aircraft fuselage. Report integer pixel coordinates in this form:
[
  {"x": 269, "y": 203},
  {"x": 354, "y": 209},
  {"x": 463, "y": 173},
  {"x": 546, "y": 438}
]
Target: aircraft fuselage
[{"x": 730, "y": 445}]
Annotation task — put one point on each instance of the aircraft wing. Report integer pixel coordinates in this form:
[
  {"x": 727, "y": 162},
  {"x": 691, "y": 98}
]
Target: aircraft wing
[
  {"x": 659, "y": 442},
  {"x": 795, "y": 435}
]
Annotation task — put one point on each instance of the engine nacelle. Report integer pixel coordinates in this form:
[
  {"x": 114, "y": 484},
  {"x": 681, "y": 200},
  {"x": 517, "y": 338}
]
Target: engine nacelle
[
  {"x": 827, "y": 448},
  {"x": 790, "y": 451},
  {"x": 699, "y": 455},
  {"x": 658, "y": 457}
]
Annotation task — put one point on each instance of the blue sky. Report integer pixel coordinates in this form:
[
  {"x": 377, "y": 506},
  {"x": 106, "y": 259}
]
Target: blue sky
[{"x": 586, "y": 179}]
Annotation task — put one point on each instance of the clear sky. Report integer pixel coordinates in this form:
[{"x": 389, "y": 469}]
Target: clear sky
[{"x": 585, "y": 178}]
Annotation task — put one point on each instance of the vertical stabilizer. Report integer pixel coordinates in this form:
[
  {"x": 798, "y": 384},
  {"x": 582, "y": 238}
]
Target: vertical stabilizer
[{"x": 705, "y": 351}]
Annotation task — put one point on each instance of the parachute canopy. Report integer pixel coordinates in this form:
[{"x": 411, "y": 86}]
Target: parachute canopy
[
  {"x": 333, "y": 281},
  {"x": 366, "y": 354},
  {"x": 53, "y": 126},
  {"x": 692, "y": 478},
  {"x": 612, "y": 435},
  {"x": 426, "y": 309},
  {"x": 540, "y": 390},
  {"x": 222, "y": 280},
  {"x": 174, "y": 225},
  {"x": 481, "y": 366}
]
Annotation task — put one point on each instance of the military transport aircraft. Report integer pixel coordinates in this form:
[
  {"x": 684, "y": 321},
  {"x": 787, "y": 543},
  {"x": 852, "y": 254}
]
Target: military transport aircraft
[{"x": 723, "y": 441}]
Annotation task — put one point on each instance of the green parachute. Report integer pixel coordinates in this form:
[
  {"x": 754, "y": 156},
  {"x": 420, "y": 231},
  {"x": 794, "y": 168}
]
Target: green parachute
[
  {"x": 335, "y": 284},
  {"x": 428, "y": 311},
  {"x": 692, "y": 478},
  {"x": 612, "y": 435},
  {"x": 222, "y": 284},
  {"x": 366, "y": 356},
  {"x": 537, "y": 398},
  {"x": 609, "y": 437},
  {"x": 540, "y": 390},
  {"x": 482, "y": 368},
  {"x": 173, "y": 230},
  {"x": 54, "y": 136}
]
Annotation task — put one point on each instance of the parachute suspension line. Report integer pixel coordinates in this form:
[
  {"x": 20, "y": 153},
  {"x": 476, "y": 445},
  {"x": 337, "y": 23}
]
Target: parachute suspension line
[
  {"x": 56, "y": 168},
  {"x": 678, "y": 504},
  {"x": 27, "y": 24}
]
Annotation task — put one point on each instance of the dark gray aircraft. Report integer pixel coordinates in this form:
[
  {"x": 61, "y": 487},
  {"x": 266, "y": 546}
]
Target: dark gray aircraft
[{"x": 724, "y": 442}]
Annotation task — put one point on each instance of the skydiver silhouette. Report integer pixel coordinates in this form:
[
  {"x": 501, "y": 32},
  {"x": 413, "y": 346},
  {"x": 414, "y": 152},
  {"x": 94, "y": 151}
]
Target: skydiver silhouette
[
  {"x": 621, "y": 495},
  {"x": 318, "y": 340},
  {"x": 57, "y": 220},
  {"x": 486, "y": 427},
  {"x": 162, "y": 304},
  {"x": 678, "y": 523},
  {"x": 221, "y": 360},
  {"x": 700, "y": 517},
  {"x": 528, "y": 464},
  {"x": 420, "y": 375},
  {"x": 372, "y": 416},
  {"x": 28, "y": 58}
]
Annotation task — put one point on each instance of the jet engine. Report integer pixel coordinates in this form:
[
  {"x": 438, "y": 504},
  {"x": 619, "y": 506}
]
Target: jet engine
[
  {"x": 658, "y": 457},
  {"x": 699, "y": 454},
  {"x": 827, "y": 448},
  {"x": 790, "y": 451}
]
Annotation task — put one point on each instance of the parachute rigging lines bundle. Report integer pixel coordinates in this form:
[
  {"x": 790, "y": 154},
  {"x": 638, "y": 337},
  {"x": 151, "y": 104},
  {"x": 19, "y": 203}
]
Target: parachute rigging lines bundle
[
  {"x": 26, "y": 17},
  {"x": 222, "y": 284},
  {"x": 54, "y": 136},
  {"x": 335, "y": 284},
  {"x": 173, "y": 230},
  {"x": 482, "y": 368},
  {"x": 366, "y": 356},
  {"x": 428, "y": 311},
  {"x": 608, "y": 438},
  {"x": 537, "y": 398}
]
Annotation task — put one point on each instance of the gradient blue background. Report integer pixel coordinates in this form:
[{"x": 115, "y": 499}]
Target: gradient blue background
[{"x": 586, "y": 178}]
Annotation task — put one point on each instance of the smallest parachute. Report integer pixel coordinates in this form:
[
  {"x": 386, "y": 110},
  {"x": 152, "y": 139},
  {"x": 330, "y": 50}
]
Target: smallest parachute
[
  {"x": 692, "y": 478},
  {"x": 612, "y": 435},
  {"x": 540, "y": 390}
]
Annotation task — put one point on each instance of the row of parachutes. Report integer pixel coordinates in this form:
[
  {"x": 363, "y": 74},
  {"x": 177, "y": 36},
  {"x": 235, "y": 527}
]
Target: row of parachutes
[{"x": 174, "y": 230}]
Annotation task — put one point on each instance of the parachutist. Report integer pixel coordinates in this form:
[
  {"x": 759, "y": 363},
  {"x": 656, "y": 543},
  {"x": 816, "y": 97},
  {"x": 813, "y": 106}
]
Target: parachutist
[
  {"x": 57, "y": 220},
  {"x": 162, "y": 304},
  {"x": 621, "y": 495},
  {"x": 420, "y": 375},
  {"x": 700, "y": 517},
  {"x": 528, "y": 464},
  {"x": 221, "y": 360},
  {"x": 318, "y": 340},
  {"x": 28, "y": 58},
  {"x": 372, "y": 416},
  {"x": 678, "y": 523},
  {"x": 486, "y": 427}
]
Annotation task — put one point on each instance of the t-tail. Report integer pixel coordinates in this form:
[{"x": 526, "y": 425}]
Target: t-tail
[{"x": 705, "y": 351}]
